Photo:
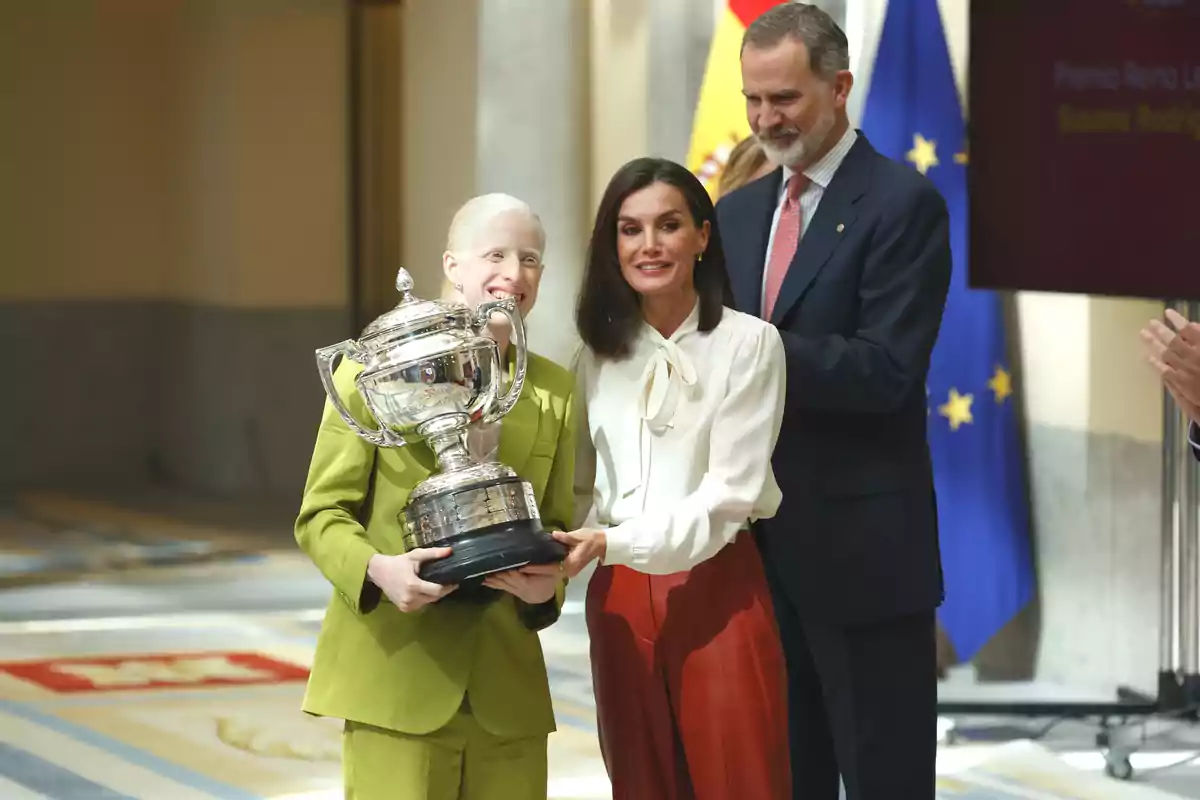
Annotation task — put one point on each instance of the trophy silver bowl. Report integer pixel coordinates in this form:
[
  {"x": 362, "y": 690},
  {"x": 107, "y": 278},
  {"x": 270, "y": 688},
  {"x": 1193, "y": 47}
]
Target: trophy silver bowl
[{"x": 429, "y": 374}]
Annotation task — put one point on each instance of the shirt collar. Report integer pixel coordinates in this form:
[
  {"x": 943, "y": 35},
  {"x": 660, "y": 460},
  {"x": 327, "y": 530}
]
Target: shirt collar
[
  {"x": 822, "y": 171},
  {"x": 690, "y": 324}
]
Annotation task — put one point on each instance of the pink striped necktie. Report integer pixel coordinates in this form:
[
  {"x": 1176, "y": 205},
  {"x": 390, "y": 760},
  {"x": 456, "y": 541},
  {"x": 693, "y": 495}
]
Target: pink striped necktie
[{"x": 783, "y": 247}]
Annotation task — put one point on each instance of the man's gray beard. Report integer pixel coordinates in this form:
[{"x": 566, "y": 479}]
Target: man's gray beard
[
  {"x": 787, "y": 156},
  {"x": 803, "y": 147}
]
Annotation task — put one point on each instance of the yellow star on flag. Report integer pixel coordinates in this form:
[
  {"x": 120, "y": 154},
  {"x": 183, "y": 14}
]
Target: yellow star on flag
[
  {"x": 957, "y": 409},
  {"x": 1001, "y": 384},
  {"x": 961, "y": 158},
  {"x": 923, "y": 154}
]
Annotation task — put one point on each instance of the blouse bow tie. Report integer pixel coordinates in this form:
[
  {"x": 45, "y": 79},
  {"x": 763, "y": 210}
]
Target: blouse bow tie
[{"x": 667, "y": 374}]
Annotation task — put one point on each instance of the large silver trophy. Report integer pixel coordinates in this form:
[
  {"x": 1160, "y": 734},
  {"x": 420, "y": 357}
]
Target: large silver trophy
[{"x": 429, "y": 375}]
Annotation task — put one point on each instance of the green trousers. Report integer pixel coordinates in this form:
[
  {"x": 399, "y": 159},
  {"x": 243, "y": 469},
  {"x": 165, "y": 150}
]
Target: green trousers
[{"x": 461, "y": 761}]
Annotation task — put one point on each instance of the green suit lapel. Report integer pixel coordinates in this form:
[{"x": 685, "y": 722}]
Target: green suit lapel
[{"x": 518, "y": 430}]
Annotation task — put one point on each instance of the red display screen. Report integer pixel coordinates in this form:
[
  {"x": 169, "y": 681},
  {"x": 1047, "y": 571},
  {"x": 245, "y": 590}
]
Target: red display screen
[{"x": 1084, "y": 161}]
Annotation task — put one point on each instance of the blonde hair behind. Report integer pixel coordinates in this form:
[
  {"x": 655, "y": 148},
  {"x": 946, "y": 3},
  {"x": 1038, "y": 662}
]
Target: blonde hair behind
[{"x": 746, "y": 158}]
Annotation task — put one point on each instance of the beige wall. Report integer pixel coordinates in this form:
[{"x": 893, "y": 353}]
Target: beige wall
[
  {"x": 173, "y": 217},
  {"x": 1125, "y": 395},
  {"x": 264, "y": 220},
  {"x": 89, "y": 143},
  {"x": 439, "y": 96},
  {"x": 185, "y": 150}
]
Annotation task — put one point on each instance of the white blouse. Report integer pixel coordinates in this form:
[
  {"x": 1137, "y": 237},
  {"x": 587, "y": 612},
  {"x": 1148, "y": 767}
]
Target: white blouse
[{"x": 682, "y": 433}]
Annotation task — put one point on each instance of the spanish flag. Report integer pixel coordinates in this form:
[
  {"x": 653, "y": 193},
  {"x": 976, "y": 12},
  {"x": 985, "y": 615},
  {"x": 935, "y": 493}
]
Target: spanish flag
[{"x": 720, "y": 120}]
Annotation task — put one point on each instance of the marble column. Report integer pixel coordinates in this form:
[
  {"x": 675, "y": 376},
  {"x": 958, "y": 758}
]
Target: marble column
[
  {"x": 681, "y": 32},
  {"x": 532, "y": 141},
  {"x": 619, "y": 77}
]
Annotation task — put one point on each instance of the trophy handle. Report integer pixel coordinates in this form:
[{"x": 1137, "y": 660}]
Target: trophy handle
[
  {"x": 325, "y": 358},
  {"x": 508, "y": 308}
]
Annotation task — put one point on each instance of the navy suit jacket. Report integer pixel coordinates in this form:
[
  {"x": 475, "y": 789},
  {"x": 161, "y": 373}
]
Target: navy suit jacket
[{"x": 855, "y": 539}]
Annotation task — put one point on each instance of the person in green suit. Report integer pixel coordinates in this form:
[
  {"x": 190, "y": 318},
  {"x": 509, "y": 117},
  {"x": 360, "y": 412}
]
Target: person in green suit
[{"x": 441, "y": 698}]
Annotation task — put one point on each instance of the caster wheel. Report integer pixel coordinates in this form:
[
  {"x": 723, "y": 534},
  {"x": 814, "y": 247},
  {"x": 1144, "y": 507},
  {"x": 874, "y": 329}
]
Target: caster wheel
[{"x": 1118, "y": 768}]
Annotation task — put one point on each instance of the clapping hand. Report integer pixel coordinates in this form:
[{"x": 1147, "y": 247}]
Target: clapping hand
[{"x": 1175, "y": 352}]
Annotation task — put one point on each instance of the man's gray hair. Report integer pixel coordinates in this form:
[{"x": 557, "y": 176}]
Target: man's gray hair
[{"x": 828, "y": 49}]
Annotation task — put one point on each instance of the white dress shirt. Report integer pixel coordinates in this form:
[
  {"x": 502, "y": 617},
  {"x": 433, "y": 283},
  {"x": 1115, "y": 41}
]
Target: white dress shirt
[
  {"x": 682, "y": 433},
  {"x": 819, "y": 175}
]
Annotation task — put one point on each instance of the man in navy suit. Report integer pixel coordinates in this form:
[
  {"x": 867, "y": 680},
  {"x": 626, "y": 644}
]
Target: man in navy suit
[
  {"x": 847, "y": 252},
  {"x": 1175, "y": 353}
]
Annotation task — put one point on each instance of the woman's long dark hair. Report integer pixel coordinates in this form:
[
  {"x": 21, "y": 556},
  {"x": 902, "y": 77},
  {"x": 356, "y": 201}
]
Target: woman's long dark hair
[{"x": 609, "y": 312}]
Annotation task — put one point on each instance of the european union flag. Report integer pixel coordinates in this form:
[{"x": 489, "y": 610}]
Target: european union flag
[{"x": 913, "y": 114}]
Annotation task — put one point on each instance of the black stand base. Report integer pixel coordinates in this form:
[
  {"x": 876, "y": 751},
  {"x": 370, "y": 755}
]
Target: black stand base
[
  {"x": 1177, "y": 694},
  {"x": 1178, "y": 698},
  {"x": 489, "y": 550}
]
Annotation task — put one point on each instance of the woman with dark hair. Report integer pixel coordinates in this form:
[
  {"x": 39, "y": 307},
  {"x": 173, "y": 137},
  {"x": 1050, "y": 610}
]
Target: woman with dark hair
[{"x": 684, "y": 399}]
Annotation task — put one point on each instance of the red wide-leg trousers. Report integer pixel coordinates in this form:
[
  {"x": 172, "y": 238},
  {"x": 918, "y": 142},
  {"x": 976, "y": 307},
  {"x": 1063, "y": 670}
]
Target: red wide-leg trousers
[{"x": 690, "y": 681}]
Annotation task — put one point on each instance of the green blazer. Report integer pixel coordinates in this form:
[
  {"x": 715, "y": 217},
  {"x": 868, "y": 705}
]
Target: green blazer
[{"x": 377, "y": 665}]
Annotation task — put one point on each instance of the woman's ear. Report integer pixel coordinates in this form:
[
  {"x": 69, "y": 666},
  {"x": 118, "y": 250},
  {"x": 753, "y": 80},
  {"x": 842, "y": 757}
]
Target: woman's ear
[
  {"x": 450, "y": 268},
  {"x": 705, "y": 232}
]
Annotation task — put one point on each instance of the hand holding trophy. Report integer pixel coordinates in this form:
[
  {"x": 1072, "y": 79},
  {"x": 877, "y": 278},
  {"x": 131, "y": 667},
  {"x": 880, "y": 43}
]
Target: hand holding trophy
[{"x": 429, "y": 374}]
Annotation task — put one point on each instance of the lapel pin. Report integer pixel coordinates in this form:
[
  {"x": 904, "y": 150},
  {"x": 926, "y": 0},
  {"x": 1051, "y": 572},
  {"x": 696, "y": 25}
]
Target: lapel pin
[{"x": 840, "y": 227}]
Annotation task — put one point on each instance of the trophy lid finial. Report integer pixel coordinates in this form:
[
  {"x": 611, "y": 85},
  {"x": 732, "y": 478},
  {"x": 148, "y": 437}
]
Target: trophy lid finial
[
  {"x": 412, "y": 315},
  {"x": 404, "y": 283}
]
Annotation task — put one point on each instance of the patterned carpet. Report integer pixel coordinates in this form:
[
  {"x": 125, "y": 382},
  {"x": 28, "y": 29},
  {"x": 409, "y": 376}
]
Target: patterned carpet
[
  {"x": 207, "y": 707},
  {"x": 51, "y": 536},
  {"x": 189, "y": 708},
  {"x": 181, "y": 678}
]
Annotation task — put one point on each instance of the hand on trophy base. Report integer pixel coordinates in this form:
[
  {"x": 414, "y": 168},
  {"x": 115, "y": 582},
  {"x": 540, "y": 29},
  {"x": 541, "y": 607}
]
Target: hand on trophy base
[
  {"x": 398, "y": 577},
  {"x": 527, "y": 584},
  {"x": 499, "y": 548}
]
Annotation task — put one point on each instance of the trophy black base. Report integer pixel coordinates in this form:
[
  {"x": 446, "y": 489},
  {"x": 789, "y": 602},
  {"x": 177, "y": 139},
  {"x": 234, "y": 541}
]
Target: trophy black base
[{"x": 486, "y": 551}]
